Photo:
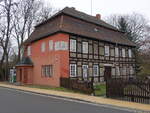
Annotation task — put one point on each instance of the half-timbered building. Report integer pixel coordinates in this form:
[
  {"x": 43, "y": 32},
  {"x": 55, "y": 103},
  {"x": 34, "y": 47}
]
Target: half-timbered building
[{"x": 73, "y": 44}]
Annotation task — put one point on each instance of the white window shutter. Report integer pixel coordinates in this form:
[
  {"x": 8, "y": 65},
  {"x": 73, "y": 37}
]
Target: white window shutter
[
  {"x": 85, "y": 47},
  {"x": 72, "y": 45},
  {"x": 43, "y": 47},
  {"x": 123, "y": 53},
  {"x": 130, "y": 53},
  {"x": 116, "y": 52},
  {"x": 106, "y": 50},
  {"x": 51, "y": 45}
]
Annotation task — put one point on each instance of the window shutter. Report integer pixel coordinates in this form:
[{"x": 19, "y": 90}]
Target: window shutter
[
  {"x": 123, "y": 53},
  {"x": 130, "y": 53},
  {"x": 106, "y": 50},
  {"x": 43, "y": 47},
  {"x": 73, "y": 45},
  {"x": 116, "y": 52},
  {"x": 51, "y": 45}
]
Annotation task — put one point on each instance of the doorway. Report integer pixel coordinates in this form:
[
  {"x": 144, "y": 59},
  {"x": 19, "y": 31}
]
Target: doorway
[{"x": 107, "y": 72}]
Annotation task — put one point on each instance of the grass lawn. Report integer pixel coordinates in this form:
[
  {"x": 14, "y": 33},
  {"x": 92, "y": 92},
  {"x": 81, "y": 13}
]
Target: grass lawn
[
  {"x": 52, "y": 88},
  {"x": 100, "y": 90}
]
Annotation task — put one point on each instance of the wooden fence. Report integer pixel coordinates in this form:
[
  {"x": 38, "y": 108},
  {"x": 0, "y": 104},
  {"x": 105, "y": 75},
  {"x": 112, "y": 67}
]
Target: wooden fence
[
  {"x": 130, "y": 90},
  {"x": 74, "y": 84}
]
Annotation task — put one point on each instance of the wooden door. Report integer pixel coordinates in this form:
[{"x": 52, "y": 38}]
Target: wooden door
[{"x": 107, "y": 72}]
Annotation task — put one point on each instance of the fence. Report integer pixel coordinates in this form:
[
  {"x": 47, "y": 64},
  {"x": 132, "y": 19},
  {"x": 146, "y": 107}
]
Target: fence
[
  {"x": 130, "y": 90},
  {"x": 74, "y": 84}
]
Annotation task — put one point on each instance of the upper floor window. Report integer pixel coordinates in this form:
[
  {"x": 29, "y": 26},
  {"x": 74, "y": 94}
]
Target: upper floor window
[
  {"x": 106, "y": 50},
  {"x": 73, "y": 70},
  {"x": 51, "y": 45},
  {"x": 43, "y": 47},
  {"x": 85, "y": 47},
  {"x": 29, "y": 50},
  {"x": 95, "y": 70},
  {"x": 130, "y": 53},
  {"x": 72, "y": 45},
  {"x": 112, "y": 52},
  {"x": 116, "y": 52},
  {"x": 123, "y": 53}
]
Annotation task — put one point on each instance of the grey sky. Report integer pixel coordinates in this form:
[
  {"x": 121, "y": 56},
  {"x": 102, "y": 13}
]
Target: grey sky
[{"x": 106, "y": 7}]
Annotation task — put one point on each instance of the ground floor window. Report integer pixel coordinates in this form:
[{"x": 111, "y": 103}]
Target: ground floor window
[
  {"x": 73, "y": 70},
  {"x": 95, "y": 70},
  {"x": 47, "y": 70}
]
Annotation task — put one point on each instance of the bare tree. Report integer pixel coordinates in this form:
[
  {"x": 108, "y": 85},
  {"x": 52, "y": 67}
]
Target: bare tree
[
  {"x": 27, "y": 14},
  {"x": 6, "y": 7}
]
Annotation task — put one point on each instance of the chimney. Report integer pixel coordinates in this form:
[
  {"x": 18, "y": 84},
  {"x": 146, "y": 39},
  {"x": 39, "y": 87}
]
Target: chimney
[{"x": 98, "y": 16}]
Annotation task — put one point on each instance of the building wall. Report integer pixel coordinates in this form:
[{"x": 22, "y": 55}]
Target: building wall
[
  {"x": 57, "y": 58},
  {"x": 96, "y": 56}
]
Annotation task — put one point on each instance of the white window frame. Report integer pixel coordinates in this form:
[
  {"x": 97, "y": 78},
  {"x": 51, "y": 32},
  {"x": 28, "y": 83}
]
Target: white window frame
[
  {"x": 95, "y": 70},
  {"x": 51, "y": 45},
  {"x": 73, "y": 44},
  {"x": 73, "y": 73},
  {"x": 85, "y": 67},
  {"x": 43, "y": 47},
  {"x": 85, "y": 47},
  {"x": 117, "y": 71},
  {"x": 130, "y": 53},
  {"x": 107, "y": 51},
  {"x": 123, "y": 52},
  {"x": 29, "y": 50},
  {"x": 116, "y": 52}
]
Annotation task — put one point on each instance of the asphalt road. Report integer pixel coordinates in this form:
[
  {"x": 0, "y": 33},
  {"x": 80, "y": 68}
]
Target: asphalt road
[{"x": 12, "y": 101}]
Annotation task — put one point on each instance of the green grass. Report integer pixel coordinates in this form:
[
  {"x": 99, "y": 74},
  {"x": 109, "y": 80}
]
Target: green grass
[
  {"x": 100, "y": 90},
  {"x": 52, "y": 88}
]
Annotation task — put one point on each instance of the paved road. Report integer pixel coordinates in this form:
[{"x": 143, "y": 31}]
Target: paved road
[{"x": 12, "y": 101}]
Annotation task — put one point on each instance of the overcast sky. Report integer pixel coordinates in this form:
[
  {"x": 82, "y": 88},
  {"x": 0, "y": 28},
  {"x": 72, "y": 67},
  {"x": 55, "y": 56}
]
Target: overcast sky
[{"x": 106, "y": 7}]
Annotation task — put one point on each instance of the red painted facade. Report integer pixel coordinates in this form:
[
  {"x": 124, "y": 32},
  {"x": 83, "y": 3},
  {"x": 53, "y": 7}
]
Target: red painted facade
[{"x": 59, "y": 59}]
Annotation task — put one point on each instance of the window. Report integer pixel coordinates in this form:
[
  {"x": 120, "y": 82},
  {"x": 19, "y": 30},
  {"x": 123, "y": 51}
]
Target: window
[
  {"x": 43, "y": 47},
  {"x": 101, "y": 50},
  {"x": 47, "y": 70},
  {"x": 73, "y": 70},
  {"x": 124, "y": 70},
  {"x": 112, "y": 52},
  {"x": 131, "y": 70},
  {"x": 85, "y": 47},
  {"x": 113, "y": 72},
  {"x": 106, "y": 50},
  {"x": 95, "y": 48},
  {"x": 72, "y": 45},
  {"x": 51, "y": 45},
  {"x": 116, "y": 52},
  {"x": 130, "y": 53},
  {"x": 29, "y": 50},
  {"x": 117, "y": 71},
  {"x": 123, "y": 53},
  {"x": 95, "y": 70}
]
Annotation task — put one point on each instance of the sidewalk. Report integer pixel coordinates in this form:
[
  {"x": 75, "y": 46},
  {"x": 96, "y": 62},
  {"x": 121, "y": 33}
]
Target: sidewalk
[{"x": 98, "y": 100}]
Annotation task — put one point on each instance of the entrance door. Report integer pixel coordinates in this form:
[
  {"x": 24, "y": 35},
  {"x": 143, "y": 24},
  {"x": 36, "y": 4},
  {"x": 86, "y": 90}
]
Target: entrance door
[
  {"x": 107, "y": 72},
  {"x": 85, "y": 71},
  {"x": 20, "y": 75}
]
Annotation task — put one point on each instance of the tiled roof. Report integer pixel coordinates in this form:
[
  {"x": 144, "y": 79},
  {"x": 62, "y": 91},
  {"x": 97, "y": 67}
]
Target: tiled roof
[{"x": 78, "y": 23}]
